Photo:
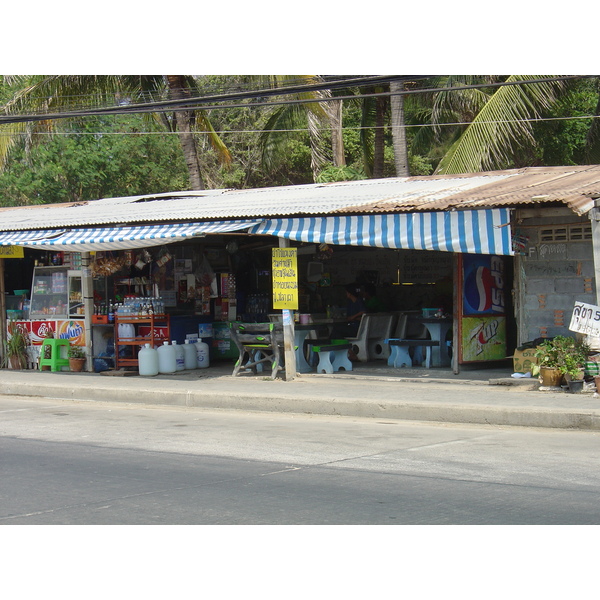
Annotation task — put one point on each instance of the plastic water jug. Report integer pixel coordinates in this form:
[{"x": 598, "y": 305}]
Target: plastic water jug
[
  {"x": 202, "y": 354},
  {"x": 167, "y": 363},
  {"x": 190, "y": 358},
  {"x": 148, "y": 361},
  {"x": 179, "y": 356}
]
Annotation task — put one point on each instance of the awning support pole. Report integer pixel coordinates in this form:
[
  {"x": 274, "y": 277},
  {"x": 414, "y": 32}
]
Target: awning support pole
[
  {"x": 288, "y": 333},
  {"x": 2, "y": 309},
  {"x": 87, "y": 288}
]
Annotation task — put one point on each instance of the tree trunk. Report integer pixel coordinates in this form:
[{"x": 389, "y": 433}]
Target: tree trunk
[
  {"x": 337, "y": 141},
  {"x": 399, "y": 130},
  {"x": 378, "y": 146},
  {"x": 183, "y": 119}
]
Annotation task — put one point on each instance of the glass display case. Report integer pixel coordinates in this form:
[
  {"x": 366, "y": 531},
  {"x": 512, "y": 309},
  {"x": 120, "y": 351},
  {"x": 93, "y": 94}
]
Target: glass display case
[{"x": 56, "y": 293}]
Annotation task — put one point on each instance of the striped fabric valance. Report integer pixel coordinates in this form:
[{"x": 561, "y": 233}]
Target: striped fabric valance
[
  {"x": 118, "y": 238},
  {"x": 484, "y": 231}
]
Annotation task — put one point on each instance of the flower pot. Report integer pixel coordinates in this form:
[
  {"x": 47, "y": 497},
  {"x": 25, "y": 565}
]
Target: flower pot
[
  {"x": 579, "y": 376},
  {"x": 576, "y": 386},
  {"x": 550, "y": 377},
  {"x": 76, "y": 364},
  {"x": 16, "y": 362}
]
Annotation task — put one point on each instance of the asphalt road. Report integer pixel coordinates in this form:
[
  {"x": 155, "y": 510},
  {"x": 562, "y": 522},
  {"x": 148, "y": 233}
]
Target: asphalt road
[{"x": 83, "y": 463}]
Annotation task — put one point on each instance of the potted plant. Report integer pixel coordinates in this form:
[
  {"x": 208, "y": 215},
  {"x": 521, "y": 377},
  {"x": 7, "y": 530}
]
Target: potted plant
[
  {"x": 562, "y": 356},
  {"x": 15, "y": 347},
  {"x": 76, "y": 356}
]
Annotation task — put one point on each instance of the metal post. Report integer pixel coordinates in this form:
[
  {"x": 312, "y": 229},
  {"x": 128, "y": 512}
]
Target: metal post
[
  {"x": 87, "y": 289},
  {"x": 288, "y": 333},
  {"x": 3, "y": 334},
  {"x": 595, "y": 220}
]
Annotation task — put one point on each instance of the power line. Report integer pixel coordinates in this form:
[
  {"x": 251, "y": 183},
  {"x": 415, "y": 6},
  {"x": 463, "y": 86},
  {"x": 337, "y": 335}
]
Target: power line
[
  {"x": 186, "y": 103},
  {"x": 303, "y": 129},
  {"x": 204, "y": 103}
]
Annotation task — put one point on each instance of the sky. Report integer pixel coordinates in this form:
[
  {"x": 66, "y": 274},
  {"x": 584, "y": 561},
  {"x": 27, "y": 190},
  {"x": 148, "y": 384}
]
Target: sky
[{"x": 128, "y": 37}]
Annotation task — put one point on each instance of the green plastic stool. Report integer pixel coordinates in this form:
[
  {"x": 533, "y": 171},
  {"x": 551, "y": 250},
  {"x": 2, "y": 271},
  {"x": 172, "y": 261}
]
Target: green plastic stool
[{"x": 56, "y": 362}]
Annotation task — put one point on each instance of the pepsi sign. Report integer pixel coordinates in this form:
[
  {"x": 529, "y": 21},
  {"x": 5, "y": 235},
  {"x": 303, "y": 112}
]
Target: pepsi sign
[{"x": 483, "y": 285}]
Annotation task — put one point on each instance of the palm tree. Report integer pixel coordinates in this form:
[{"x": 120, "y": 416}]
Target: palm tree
[
  {"x": 399, "y": 129},
  {"x": 500, "y": 123},
  {"x": 317, "y": 115},
  {"x": 38, "y": 94}
]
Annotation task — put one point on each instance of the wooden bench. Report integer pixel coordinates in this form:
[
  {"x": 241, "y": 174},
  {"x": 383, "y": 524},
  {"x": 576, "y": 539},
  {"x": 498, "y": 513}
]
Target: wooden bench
[
  {"x": 400, "y": 357},
  {"x": 333, "y": 355}
]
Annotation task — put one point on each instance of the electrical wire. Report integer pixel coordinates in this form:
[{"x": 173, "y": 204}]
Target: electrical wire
[
  {"x": 203, "y": 103},
  {"x": 303, "y": 129}
]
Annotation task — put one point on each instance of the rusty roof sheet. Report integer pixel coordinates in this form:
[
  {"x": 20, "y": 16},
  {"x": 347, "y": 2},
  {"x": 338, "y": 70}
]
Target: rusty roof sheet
[{"x": 575, "y": 187}]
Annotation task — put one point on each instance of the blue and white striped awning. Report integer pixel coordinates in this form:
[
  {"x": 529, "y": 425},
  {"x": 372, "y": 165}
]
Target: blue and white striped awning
[
  {"x": 118, "y": 238},
  {"x": 484, "y": 231}
]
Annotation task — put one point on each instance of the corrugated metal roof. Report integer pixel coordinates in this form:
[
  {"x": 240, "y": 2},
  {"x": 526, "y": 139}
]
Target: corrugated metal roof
[{"x": 573, "y": 186}]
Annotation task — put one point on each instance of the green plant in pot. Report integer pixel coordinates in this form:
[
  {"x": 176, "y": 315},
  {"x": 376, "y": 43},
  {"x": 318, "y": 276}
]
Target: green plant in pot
[
  {"x": 15, "y": 347},
  {"x": 76, "y": 356},
  {"x": 564, "y": 355}
]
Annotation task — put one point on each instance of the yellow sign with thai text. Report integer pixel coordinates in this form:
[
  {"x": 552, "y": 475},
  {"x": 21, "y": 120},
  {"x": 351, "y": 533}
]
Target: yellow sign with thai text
[
  {"x": 12, "y": 252},
  {"x": 285, "y": 278}
]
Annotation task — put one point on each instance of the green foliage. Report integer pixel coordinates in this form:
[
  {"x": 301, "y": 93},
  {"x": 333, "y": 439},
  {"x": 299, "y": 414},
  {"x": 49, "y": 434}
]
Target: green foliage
[
  {"x": 75, "y": 352},
  {"x": 332, "y": 173},
  {"x": 566, "y": 354},
  {"x": 15, "y": 345},
  {"x": 96, "y": 158},
  {"x": 563, "y": 139},
  {"x": 419, "y": 165}
]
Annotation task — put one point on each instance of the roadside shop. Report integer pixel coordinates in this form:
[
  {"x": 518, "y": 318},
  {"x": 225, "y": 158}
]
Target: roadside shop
[{"x": 105, "y": 274}]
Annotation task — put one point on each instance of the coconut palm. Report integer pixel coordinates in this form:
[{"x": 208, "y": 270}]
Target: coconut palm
[
  {"x": 39, "y": 94},
  {"x": 501, "y": 125},
  {"x": 318, "y": 115}
]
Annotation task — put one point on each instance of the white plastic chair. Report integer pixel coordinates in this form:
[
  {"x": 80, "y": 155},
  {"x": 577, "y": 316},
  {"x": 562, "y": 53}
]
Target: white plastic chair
[
  {"x": 380, "y": 329},
  {"x": 361, "y": 341}
]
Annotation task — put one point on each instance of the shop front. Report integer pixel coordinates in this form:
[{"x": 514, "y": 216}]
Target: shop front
[{"x": 216, "y": 273}]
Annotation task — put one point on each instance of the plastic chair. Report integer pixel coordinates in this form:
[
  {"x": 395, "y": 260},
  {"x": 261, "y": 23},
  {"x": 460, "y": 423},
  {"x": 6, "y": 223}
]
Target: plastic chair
[
  {"x": 380, "y": 330},
  {"x": 56, "y": 361},
  {"x": 360, "y": 342}
]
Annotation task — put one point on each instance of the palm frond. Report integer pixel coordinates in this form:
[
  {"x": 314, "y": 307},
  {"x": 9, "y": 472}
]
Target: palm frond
[{"x": 487, "y": 142}]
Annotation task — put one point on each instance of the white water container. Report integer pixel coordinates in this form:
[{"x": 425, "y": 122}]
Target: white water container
[
  {"x": 148, "y": 361},
  {"x": 167, "y": 362},
  {"x": 202, "y": 354},
  {"x": 190, "y": 358},
  {"x": 179, "y": 356}
]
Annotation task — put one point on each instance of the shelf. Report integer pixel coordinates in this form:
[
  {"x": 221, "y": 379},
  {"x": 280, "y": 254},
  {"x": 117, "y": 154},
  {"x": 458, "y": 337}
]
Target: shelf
[{"x": 137, "y": 341}]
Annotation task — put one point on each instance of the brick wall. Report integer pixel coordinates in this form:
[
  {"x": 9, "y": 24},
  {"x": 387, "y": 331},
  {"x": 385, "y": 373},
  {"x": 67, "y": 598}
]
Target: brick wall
[{"x": 555, "y": 269}]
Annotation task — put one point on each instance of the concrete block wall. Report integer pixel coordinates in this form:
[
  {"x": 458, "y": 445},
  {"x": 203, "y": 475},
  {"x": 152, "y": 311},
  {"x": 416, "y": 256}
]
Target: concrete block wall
[{"x": 553, "y": 276}]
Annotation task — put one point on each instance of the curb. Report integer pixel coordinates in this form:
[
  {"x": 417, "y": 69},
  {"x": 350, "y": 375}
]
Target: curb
[{"x": 538, "y": 417}]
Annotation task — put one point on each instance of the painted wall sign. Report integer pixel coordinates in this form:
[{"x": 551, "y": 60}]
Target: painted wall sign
[
  {"x": 585, "y": 319},
  {"x": 285, "y": 278}
]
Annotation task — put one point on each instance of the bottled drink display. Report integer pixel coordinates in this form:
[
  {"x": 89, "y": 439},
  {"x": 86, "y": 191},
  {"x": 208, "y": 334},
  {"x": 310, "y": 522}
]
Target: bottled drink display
[{"x": 131, "y": 308}]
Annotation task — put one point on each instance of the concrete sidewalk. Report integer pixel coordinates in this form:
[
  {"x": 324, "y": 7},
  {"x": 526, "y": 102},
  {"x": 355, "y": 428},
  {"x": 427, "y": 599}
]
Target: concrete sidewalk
[{"x": 476, "y": 396}]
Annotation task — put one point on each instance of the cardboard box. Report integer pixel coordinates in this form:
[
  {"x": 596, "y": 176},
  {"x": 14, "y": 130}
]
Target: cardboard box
[{"x": 523, "y": 360}]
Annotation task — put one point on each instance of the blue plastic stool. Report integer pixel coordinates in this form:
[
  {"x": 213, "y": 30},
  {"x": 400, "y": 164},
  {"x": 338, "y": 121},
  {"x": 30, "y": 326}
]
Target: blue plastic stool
[{"x": 56, "y": 361}]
